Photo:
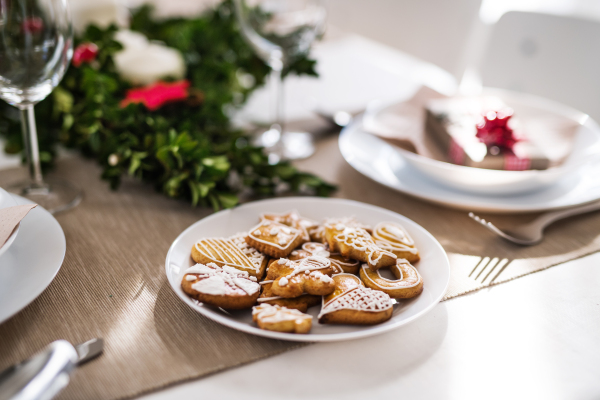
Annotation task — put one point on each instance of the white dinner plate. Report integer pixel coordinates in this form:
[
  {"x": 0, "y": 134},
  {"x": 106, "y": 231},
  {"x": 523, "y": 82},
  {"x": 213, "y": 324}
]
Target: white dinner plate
[
  {"x": 376, "y": 159},
  {"x": 534, "y": 112},
  {"x": 434, "y": 266},
  {"x": 6, "y": 200},
  {"x": 32, "y": 262}
]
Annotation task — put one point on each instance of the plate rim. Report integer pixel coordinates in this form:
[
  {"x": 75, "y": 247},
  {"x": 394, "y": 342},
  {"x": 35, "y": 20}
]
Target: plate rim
[
  {"x": 374, "y": 330},
  {"x": 11, "y": 239},
  {"x": 44, "y": 286},
  {"x": 476, "y": 205}
]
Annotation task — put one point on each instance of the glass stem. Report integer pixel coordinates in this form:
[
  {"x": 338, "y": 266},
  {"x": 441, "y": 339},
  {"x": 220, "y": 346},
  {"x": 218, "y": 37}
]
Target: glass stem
[
  {"x": 31, "y": 144},
  {"x": 277, "y": 67}
]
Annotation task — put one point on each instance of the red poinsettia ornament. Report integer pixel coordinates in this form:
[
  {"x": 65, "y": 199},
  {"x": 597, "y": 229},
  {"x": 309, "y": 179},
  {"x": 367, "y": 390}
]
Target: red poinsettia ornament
[
  {"x": 494, "y": 131},
  {"x": 157, "y": 94},
  {"x": 84, "y": 53}
]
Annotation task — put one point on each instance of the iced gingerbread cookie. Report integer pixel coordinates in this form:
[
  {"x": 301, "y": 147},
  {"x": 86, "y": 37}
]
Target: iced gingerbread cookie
[
  {"x": 274, "y": 239},
  {"x": 281, "y": 319},
  {"x": 233, "y": 251},
  {"x": 224, "y": 287},
  {"x": 352, "y": 303},
  {"x": 292, "y": 219},
  {"x": 339, "y": 263},
  {"x": 393, "y": 237},
  {"x": 300, "y": 303},
  {"x": 310, "y": 275},
  {"x": 408, "y": 281},
  {"x": 357, "y": 243}
]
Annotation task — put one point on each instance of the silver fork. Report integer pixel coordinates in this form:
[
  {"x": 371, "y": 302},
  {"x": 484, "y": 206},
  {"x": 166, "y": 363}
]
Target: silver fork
[{"x": 532, "y": 233}]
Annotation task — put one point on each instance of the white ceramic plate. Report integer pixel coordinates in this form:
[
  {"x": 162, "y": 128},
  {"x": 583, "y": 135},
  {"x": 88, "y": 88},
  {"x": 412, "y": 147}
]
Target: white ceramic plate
[
  {"x": 379, "y": 161},
  {"x": 434, "y": 265},
  {"x": 387, "y": 119},
  {"x": 32, "y": 262},
  {"x": 6, "y": 200}
]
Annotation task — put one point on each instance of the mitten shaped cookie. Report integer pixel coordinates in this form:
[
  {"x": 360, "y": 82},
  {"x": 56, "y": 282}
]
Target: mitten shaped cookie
[
  {"x": 393, "y": 237},
  {"x": 357, "y": 243},
  {"x": 232, "y": 251},
  {"x": 408, "y": 282},
  {"x": 224, "y": 287},
  {"x": 274, "y": 239},
  {"x": 352, "y": 303},
  {"x": 309, "y": 275},
  {"x": 281, "y": 319}
]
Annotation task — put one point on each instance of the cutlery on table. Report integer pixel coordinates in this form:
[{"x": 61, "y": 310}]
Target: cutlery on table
[
  {"x": 532, "y": 233},
  {"x": 44, "y": 375}
]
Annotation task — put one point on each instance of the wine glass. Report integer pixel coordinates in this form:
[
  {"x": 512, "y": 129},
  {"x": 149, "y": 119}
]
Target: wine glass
[
  {"x": 36, "y": 45},
  {"x": 279, "y": 31}
]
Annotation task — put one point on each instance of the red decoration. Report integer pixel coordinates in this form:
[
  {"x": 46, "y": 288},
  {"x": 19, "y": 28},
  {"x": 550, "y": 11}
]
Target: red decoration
[
  {"x": 32, "y": 25},
  {"x": 84, "y": 53},
  {"x": 493, "y": 130},
  {"x": 157, "y": 94}
]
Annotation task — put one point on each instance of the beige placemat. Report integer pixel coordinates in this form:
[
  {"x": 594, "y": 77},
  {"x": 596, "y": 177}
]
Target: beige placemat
[{"x": 112, "y": 283}]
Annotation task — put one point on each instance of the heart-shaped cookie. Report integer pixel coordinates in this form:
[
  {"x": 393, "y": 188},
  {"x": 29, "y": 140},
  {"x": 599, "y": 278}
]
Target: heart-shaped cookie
[
  {"x": 233, "y": 251},
  {"x": 352, "y": 303}
]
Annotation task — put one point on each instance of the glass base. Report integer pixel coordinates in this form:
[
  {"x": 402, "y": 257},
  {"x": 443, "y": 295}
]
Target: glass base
[
  {"x": 54, "y": 195},
  {"x": 289, "y": 146}
]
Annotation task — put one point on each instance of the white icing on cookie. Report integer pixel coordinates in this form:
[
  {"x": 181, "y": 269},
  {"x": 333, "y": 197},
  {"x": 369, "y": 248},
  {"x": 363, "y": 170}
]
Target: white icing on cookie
[
  {"x": 358, "y": 298},
  {"x": 391, "y": 236},
  {"x": 215, "y": 280},
  {"x": 274, "y": 313},
  {"x": 320, "y": 249},
  {"x": 360, "y": 240},
  {"x": 232, "y": 251},
  {"x": 283, "y": 239}
]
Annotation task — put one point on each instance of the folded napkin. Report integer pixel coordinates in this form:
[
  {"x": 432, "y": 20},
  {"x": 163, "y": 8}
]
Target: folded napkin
[
  {"x": 403, "y": 124},
  {"x": 10, "y": 218}
]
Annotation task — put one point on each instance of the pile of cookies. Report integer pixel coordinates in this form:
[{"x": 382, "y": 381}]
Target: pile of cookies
[{"x": 288, "y": 263}]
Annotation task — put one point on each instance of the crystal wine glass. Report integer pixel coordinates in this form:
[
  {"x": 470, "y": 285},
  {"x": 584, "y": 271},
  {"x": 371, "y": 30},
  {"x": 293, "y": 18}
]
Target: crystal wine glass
[
  {"x": 279, "y": 31},
  {"x": 36, "y": 45}
]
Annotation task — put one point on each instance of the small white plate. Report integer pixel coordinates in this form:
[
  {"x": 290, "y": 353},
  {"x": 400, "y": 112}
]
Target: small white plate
[
  {"x": 32, "y": 262},
  {"x": 434, "y": 265},
  {"x": 377, "y": 160},
  {"x": 391, "y": 119},
  {"x": 6, "y": 200}
]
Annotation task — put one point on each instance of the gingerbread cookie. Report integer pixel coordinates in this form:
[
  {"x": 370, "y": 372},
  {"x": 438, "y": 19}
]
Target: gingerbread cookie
[
  {"x": 352, "y": 303},
  {"x": 339, "y": 263},
  {"x": 274, "y": 239},
  {"x": 233, "y": 251},
  {"x": 294, "y": 220},
  {"x": 408, "y": 281},
  {"x": 393, "y": 237},
  {"x": 281, "y": 319},
  {"x": 300, "y": 303},
  {"x": 224, "y": 287},
  {"x": 356, "y": 243},
  {"x": 309, "y": 275}
]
